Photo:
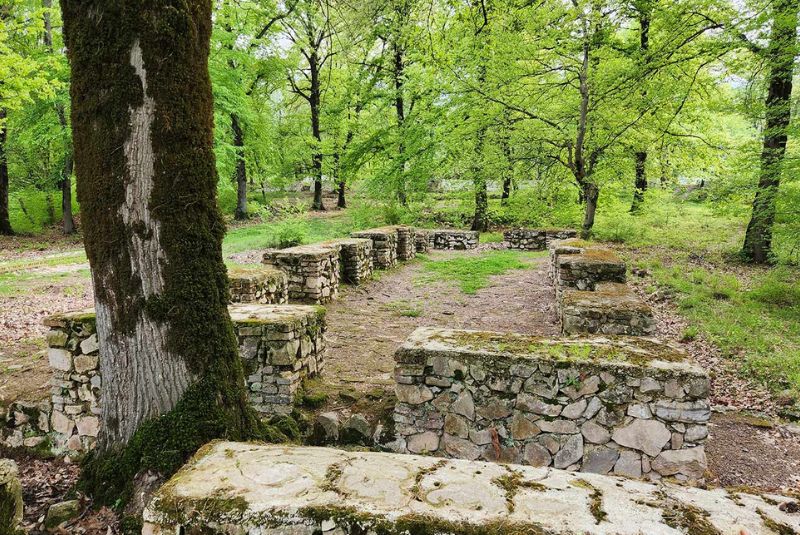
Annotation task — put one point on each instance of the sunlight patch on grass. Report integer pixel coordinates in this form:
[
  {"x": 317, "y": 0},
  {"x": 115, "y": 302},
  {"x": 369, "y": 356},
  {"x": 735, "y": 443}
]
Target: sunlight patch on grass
[{"x": 472, "y": 273}]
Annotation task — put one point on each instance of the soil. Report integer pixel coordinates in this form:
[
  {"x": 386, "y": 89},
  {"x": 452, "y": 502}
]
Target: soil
[{"x": 366, "y": 325}]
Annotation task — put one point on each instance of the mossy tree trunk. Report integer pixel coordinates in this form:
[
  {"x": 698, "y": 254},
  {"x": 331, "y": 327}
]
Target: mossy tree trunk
[
  {"x": 142, "y": 127},
  {"x": 643, "y": 8},
  {"x": 241, "y": 169},
  {"x": 5, "y": 221},
  {"x": 780, "y": 56}
]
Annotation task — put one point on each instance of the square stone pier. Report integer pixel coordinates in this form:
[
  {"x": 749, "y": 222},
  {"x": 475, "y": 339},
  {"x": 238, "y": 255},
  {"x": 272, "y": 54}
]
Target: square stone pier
[
  {"x": 384, "y": 245},
  {"x": 623, "y": 405},
  {"x": 527, "y": 239},
  {"x": 263, "y": 285},
  {"x": 312, "y": 270},
  {"x": 423, "y": 240},
  {"x": 259, "y": 489},
  {"x": 448, "y": 239},
  {"x": 582, "y": 265},
  {"x": 613, "y": 308},
  {"x": 355, "y": 260}
]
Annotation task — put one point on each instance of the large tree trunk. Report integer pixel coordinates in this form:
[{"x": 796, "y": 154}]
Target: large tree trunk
[
  {"x": 780, "y": 59},
  {"x": 5, "y": 221},
  {"x": 400, "y": 112},
  {"x": 315, "y": 102},
  {"x": 241, "y": 169},
  {"x": 142, "y": 129},
  {"x": 640, "y": 182}
]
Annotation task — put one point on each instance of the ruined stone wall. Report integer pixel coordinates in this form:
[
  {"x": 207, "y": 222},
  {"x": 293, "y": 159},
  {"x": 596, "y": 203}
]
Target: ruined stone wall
[
  {"x": 628, "y": 406},
  {"x": 423, "y": 240},
  {"x": 384, "y": 246},
  {"x": 535, "y": 239},
  {"x": 355, "y": 259},
  {"x": 313, "y": 271},
  {"x": 279, "y": 344},
  {"x": 406, "y": 243},
  {"x": 455, "y": 239},
  {"x": 613, "y": 308},
  {"x": 266, "y": 286}
]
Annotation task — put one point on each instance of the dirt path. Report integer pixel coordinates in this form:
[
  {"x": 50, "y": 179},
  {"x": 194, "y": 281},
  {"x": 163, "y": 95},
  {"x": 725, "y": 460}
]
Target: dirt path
[{"x": 368, "y": 323}]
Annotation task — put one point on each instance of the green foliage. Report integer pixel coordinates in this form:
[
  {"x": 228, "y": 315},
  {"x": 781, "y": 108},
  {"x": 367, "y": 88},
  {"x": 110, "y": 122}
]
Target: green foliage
[{"x": 472, "y": 272}]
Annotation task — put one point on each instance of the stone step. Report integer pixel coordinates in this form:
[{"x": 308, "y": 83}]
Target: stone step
[{"x": 280, "y": 490}]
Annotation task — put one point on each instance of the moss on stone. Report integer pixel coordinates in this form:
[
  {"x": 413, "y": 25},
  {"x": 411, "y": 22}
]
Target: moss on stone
[
  {"x": 512, "y": 482},
  {"x": 416, "y": 490},
  {"x": 778, "y": 527},
  {"x": 687, "y": 518}
]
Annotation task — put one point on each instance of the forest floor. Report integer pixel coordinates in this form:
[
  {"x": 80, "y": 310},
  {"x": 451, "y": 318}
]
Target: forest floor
[{"x": 483, "y": 289}]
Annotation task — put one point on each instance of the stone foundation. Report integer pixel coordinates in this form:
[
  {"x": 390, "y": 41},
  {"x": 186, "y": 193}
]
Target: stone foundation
[
  {"x": 406, "y": 243},
  {"x": 256, "y": 489},
  {"x": 582, "y": 265},
  {"x": 355, "y": 259},
  {"x": 263, "y": 285},
  {"x": 535, "y": 239},
  {"x": 613, "y": 308},
  {"x": 384, "y": 246},
  {"x": 455, "y": 239},
  {"x": 312, "y": 271},
  {"x": 629, "y": 406},
  {"x": 423, "y": 240},
  {"x": 279, "y": 344}
]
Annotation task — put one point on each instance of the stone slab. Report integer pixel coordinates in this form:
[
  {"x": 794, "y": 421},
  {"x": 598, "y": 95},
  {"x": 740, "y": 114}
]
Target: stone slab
[
  {"x": 612, "y": 308},
  {"x": 254, "y": 489}
]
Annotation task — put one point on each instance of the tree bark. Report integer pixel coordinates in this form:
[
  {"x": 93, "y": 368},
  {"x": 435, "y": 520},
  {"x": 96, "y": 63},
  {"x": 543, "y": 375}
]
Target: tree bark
[
  {"x": 590, "y": 195},
  {"x": 142, "y": 117},
  {"x": 5, "y": 221},
  {"x": 315, "y": 101},
  {"x": 400, "y": 111},
  {"x": 780, "y": 59},
  {"x": 241, "y": 169},
  {"x": 640, "y": 182}
]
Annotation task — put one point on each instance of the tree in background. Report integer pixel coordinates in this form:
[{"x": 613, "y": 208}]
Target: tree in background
[{"x": 142, "y": 125}]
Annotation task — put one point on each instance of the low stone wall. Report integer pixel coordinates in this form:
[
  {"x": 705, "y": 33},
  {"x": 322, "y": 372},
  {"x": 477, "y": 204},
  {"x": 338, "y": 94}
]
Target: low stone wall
[
  {"x": 582, "y": 265},
  {"x": 263, "y": 285},
  {"x": 355, "y": 259},
  {"x": 613, "y": 308},
  {"x": 423, "y": 240},
  {"x": 242, "y": 488},
  {"x": 631, "y": 406},
  {"x": 384, "y": 246},
  {"x": 455, "y": 239},
  {"x": 535, "y": 239},
  {"x": 312, "y": 270},
  {"x": 406, "y": 243},
  {"x": 279, "y": 344}
]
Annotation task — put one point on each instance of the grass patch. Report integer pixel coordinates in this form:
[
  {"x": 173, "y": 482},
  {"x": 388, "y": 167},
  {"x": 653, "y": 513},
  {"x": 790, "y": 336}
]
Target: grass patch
[
  {"x": 472, "y": 273},
  {"x": 405, "y": 308},
  {"x": 295, "y": 230}
]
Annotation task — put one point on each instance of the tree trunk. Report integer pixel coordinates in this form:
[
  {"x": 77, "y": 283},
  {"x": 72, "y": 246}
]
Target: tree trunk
[
  {"x": 400, "y": 111},
  {"x": 67, "y": 221},
  {"x": 241, "y": 169},
  {"x": 640, "y": 185},
  {"x": 590, "y": 195},
  {"x": 780, "y": 59},
  {"x": 5, "y": 221},
  {"x": 506, "y": 191},
  {"x": 142, "y": 121},
  {"x": 315, "y": 101}
]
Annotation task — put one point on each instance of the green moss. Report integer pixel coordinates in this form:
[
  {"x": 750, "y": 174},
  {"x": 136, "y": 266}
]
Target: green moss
[
  {"x": 595, "y": 499},
  {"x": 512, "y": 482},
  {"x": 416, "y": 490},
  {"x": 332, "y": 475},
  {"x": 778, "y": 527},
  {"x": 688, "y": 519}
]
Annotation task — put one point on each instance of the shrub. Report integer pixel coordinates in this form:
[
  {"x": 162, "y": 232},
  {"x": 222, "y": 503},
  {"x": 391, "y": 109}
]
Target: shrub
[{"x": 288, "y": 233}]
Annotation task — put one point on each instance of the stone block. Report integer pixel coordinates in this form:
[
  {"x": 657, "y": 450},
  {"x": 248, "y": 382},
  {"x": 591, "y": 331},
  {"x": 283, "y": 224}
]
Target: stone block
[
  {"x": 449, "y": 239},
  {"x": 384, "y": 245},
  {"x": 261, "y": 285},
  {"x": 612, "y": 308},
  {"x": 313, "y": 271}
]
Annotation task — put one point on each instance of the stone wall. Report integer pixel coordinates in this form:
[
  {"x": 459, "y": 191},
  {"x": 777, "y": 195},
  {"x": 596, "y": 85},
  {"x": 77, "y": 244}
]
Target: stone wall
[
  {"x": 384, "y": 246},
  {"x": 455, "y": 239},
  {"x": 622, "y": 405},
  {"x": 406, "y": 243},
  {"x": 260, "y": 489},
  {"x": 312, "y": 270},
  {"x": 423, "y": 240},
  {"x": 582, "y": 265},
  {"x": 355, "y": 259},
  {"x": 613, "y": 308},
  {"x": 279, "y": 344},
  {"x": 535, "y": 239},
  {"x": 264, "y": 285}
]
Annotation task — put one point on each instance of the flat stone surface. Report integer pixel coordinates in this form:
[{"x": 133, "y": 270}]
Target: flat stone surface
[
  {"x": 300, "y": 490},
  {"x": 269, "y": 314},
  {"x": 613, "y": 351}
]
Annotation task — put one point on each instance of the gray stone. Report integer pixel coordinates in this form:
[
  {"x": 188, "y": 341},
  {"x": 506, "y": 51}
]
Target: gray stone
[
  {"x": 649, "y": 385},
  {"x": 648, "y": 436},
  {"x": 456, "y": 425},
  {"x": 536, "y": 455},
  {"x": 594, "y": 433},
  {"x": 574, "y": 410},
  {"x": 570, "y": 453},
  {"x": 522, "y": 428},
  {"x": 592, "y": 408},
  {"x": 629, "y": 464},
  {"x": 464, "y": 405},
  {"x": 426, "y": 442},
  {"x": 535, "y": 405},
  {"x": 494, "y": 410},
  {"x": 413, "y": 394},
  {"x": 59, "y": 513},
  {"x": 59, "y": 359},
  {"x": 639, "y": 410},
  {"x": 599, "y": 460},
  {"x": 85, "y": 363},
  {"x": 550, "y": 442},
  {"x": 481, "y": 438},
  {"x": 689, "y": 462},
  {"x": 326, "y": 428},
  {"x": 683, "y": 411},
  {"x": 10, "y": 497},
  {"x": 696, "y": 433},
  {"x": 673, "y": 389},
  {"x": 356, "y": 430},
  {"x": 90, "y": 345},
  {"x": 88, "y": 426},
  {"x": 561, "y": 427},
  {"x": 460, "y": 448}
]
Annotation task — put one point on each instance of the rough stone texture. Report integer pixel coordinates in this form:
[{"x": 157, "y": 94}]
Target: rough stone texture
[
  {"x": 279, "y": 344},
  {"x": 384, "y": 245},
  {"x": 266, "y": 286},
  {"x": 423, "y": 240},
  {"x": 355, "y": 259},
  {"x": 10, "y": 498},
  {"x": 528, "y": 239},
  {"x": 455, "y": 239},
  {"x": 312, "y": 270},
  {"x": 584, "y": 267},
  {"x": 551, "y": 401},
  {"x": 281, "y": 490},
  {"x": 612, "y": 308},
  {"x": 406, "y": 243}
]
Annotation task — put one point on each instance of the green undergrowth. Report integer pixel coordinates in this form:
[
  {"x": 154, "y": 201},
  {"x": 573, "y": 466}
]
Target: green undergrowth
[
  {"x": 288, "y": 232},
  {"x": 472, "y": 273}
]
